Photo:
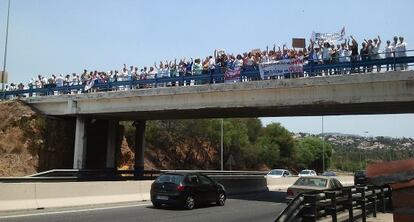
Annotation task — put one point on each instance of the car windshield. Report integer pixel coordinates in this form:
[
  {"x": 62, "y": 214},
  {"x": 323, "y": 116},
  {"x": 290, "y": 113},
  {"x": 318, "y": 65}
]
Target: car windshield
[
  {"x": 305, "y": 172},
  {"x": 315, "y": 182},
  {"x": 170, "y": 178},
  {"x": 276, "y": 172},
  {"x": 360, "y": 173}
]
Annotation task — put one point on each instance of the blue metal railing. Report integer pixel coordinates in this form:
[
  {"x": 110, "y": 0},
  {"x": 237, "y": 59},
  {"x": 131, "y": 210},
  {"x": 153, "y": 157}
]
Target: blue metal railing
[{"x": 311, "y": 68}]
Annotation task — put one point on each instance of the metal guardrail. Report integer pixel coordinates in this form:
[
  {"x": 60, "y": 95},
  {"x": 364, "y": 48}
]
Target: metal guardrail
[
  {"x": 346, "y": 204},
  {"x": 247, "y": 73},
  {"x": 67, "y": 175}
]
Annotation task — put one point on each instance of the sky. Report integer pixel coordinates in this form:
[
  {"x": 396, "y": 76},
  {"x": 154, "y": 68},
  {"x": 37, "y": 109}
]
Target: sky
[{"x": 61, "y": 37}]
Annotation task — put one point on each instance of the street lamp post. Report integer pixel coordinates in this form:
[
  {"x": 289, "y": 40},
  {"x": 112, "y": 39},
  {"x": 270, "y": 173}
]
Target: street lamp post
[
  {"x": 5, "y": 49},
  {"x": 365, "y": 151}
]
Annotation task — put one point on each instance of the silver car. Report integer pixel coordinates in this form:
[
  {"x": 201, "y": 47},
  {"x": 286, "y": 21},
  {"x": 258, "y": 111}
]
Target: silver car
[
  {"x": 311, "y": 183},
  {"x": 306, "y": 173},
  {"x": 278, "y": 173}
]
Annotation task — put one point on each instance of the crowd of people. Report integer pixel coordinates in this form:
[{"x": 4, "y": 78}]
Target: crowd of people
[{"x": 316, "y": 53}]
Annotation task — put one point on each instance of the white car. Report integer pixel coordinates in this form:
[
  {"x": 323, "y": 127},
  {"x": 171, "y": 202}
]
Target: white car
[
  {"x": 307, "y": 173},
  {"x": 278, "y": 173}
]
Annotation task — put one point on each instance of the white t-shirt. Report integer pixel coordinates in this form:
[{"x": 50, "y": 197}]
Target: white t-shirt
[
  {"x": 238, "y": 63},
  {"x": 388, "y": 51},
  {"x": 264, "y": 59},
  {"x": 211, "y": 63},
  {"x": 375, "y": 50},
  {"x": 326, "y": 53},
  {"x": 400, "y": 49},
  {"x": 162, "y": 72},
  {"x": 151, "y": 74},
  {"x": 124, "y": 75},
  {"x": 343, "y": 53},
  {"x": 75, "y": 80},
  {"x": 59, "y": 81}
]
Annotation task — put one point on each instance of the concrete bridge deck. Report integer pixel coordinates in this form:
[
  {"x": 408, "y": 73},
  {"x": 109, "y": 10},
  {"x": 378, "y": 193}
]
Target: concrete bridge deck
[{"x": 374, "y": 93}]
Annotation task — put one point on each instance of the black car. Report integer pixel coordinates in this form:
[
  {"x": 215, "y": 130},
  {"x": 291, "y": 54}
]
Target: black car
[
  {"x": 360, "y": 177},
  {"x": 187, "y": 190}
]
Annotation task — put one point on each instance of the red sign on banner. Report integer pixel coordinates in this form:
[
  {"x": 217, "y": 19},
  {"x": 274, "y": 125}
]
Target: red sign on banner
[{"x": 232, "y": 74}]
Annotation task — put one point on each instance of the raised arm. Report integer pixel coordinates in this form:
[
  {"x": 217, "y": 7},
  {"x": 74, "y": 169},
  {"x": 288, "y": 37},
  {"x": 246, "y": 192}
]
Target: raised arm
[{"x": 353, "y": 40}]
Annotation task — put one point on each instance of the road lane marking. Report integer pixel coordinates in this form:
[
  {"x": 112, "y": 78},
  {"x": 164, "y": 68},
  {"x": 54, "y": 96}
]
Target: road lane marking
[{"x": 73, "y": 211}]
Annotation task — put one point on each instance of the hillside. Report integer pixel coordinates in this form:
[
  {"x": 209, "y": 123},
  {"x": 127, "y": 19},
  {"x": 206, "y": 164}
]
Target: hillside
[
  {"x": 352, "y": 152},
  {"x": 31, "y": 143},
  {"x": 21, "y": 139}
]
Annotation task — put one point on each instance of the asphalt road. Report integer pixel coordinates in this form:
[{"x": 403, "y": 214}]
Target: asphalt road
[{"x": 256, "y": 207}]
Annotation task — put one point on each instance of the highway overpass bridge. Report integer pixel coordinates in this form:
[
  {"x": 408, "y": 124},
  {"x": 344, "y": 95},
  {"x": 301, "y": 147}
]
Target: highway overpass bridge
[
  {"x": 375, "y": 93},
  {"x": 98, "y": 113}
]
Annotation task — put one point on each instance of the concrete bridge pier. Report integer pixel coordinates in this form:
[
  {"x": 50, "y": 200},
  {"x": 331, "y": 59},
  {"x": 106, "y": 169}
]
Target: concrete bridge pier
[
  {"x": 96, "y": 143},
  {"x": 139, "y": 147},
  {"x": 111, "y": 144},
  {"x": 79, "y": 156}
]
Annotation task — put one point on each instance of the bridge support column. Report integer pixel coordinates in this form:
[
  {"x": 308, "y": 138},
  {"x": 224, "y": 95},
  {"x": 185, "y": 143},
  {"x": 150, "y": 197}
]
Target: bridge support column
[
  {"x": 111, "y": 144},
  {"x": 139, "y": 147},
  {"x": 79, "y": 156}
]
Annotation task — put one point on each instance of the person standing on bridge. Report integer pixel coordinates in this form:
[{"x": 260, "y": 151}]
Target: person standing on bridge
[
  {"x": 189, "y": 71},
  {"x": 173, "y": 71},
  {"x": 197, "y": 70},
  {"x": 375, "y": 51},
  {"x": 354, "y": 53},
  {"x": 364, "y": 55},
  {"x": 400, "y": 51},
  {"x": 151, "y": 75},
  {"x": 344, "y": 56},
  {"x": 389, "y": 51}
]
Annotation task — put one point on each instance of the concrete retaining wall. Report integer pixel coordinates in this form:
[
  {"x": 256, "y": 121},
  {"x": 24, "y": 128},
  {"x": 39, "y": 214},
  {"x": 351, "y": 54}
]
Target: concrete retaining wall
[
  {"x": 22, "y": 196},
  {"x": 17, "y": 196},
  {"x": 242, "y": 184}
]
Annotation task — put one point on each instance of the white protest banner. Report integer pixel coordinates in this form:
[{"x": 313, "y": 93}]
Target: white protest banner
[
  {"x": 332, "y": 38},
  {"x": 280, "y": 68},
  {"x": 232, "y": 75}
]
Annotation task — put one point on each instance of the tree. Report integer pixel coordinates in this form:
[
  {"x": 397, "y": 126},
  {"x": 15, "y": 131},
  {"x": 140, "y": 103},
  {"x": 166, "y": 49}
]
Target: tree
[
  {"x": 277, "y": 146},
  {"x": 311, "y": 152}
]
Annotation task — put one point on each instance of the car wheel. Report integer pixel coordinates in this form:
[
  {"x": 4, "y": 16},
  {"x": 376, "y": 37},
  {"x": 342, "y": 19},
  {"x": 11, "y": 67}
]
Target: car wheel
[
  {"x": 221, "y": 200},
  {"x": 189, "y": 202},
  {"x": 156, "y": 205}
]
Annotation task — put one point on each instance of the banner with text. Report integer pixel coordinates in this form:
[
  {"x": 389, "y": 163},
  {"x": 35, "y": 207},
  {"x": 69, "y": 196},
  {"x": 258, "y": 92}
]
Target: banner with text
[
  {"x": 332, "y": 38},
  {"x": 280, "y": 68},
  {"x": 232, "y": 75}
]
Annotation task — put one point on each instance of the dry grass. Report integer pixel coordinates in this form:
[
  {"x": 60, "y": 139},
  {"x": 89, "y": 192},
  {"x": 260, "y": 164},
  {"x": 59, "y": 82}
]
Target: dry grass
[{"x": 17, "y": 138}]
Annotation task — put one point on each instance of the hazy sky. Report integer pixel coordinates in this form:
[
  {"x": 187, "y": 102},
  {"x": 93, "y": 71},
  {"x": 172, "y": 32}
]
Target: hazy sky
[{"x": 66, "y": 36}]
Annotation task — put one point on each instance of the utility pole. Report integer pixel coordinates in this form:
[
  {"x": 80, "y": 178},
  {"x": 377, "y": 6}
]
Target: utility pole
[
  {"x": 5, "y": 49},
  {"x": 323, "y": 149},
  {"x": 221, "y": 145}
]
